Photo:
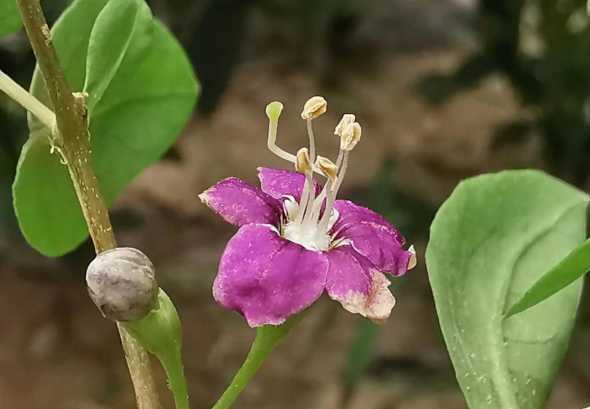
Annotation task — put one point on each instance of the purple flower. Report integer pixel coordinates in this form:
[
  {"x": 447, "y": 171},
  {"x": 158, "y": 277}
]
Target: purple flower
[{"x": 295, "y": 240}]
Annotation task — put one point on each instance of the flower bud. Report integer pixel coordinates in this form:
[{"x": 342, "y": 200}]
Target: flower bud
[
  {"x": 351, "y": 135},
  {"x": 122, "y": 284},
  {"x": 346, "y": 120},
  {"x": 314, "y": 107},
  {"x": 303, "y": 163},
  {"x": 328, "y": 168}
]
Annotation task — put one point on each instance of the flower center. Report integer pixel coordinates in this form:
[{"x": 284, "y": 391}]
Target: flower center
[
  {"x": 309, "y": 221},
  {"x": 310, "y": 237}
]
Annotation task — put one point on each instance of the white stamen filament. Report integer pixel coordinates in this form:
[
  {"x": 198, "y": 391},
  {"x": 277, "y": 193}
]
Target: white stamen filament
[
  {"x": 307, "y": 191},
  {"x": 333, "y": 192},
  {"x": 310, "y": 198},
  {"x": 316, "y": 207},
  {"x": 311, "y": 141},
  {"x": 314, "y": 214},
  {"x": 306, "y": 203},
  {"x": 342, "y": 173},
  {"x": 339, "y": 159}
]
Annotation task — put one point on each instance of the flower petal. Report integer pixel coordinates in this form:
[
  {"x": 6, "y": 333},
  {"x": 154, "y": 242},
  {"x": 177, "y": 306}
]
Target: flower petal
[
  {"x": 280, "y": 183},
  {"x": 267, "y": 278},
  {"x": 372, "y": 236},
  {"x": 240, "y": 203},
  {"x": 354, "y": 282}
]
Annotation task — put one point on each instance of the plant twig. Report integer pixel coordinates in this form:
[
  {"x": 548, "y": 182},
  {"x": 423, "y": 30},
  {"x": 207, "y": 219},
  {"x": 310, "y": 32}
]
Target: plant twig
[
  {"x": 27, "y": 101},
  {"x": 72, "y": 138}
]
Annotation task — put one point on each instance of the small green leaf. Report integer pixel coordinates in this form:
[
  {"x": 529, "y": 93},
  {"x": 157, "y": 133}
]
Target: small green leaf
[
  {"x": 490, "y": 241},
  {"x": 138, "y": 111},
  {"x": 9, "y": 17},
  {"x": 109, "y": 41},
  {"x": 571, "y": 268},
  {"x": 160, "y": 332}
]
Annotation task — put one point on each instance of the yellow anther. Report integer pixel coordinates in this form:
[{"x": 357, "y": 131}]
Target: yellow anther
[
  {"x": 351, "y": 135},
  {"x": 314, "y": 107},
  {"x": 346, "y": 120},
  {"x": 303, "y": 164},
  {"x": 328, "y": 168}
]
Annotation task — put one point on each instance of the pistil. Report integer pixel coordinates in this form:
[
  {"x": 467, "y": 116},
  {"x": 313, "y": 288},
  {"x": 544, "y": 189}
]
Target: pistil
[{"x": 273, "y": 112}]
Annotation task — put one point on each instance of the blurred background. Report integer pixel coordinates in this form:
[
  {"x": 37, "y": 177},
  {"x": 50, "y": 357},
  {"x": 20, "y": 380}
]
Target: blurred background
[{"x": 444, "y": 89}]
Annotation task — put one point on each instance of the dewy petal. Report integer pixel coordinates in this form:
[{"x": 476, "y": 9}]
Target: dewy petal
[
  {"x": 280, "y": 183},
  {"x": 240, "y": 203},
  {"x": 372, "y": 236},
  {"x": 267, "y": 278},
  {"x": 353, "y": 281}
]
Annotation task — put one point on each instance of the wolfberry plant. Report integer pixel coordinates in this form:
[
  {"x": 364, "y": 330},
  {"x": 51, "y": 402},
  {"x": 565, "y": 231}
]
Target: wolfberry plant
[{"x": 111, "y": 92}]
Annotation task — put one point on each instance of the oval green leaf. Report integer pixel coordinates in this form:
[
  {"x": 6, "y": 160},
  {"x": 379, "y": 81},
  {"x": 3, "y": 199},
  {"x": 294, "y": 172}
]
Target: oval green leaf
[
  {"x": 9, "y": 17},
  {"x": 490, "y": 241},
  {"x": 108, "y": 43},
  {"x": 570, "y": 269},
  {"x": 140, "y": 111}
]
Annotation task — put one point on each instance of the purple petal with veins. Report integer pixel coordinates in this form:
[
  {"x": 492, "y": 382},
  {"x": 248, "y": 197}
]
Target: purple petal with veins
[
  {"x": 267, "y": 278},
  {"x": 240, "y": 203},
  {"x": 353, "y": 281},
  {"x": 372, "y": 236},
  {"x": 280, "y": 183}
]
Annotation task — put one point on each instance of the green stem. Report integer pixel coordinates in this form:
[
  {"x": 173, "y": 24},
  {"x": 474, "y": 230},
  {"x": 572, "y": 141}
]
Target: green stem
[
  {"x": 266, "y": 340},
  {"x": 71, "y": 137},
  {"x": 27, "y": 101},
  {"x": 177, "y": 384},
  {"x": 160, "y": 333}
]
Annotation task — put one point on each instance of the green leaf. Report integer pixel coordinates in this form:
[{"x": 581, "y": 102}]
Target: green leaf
[
  {"x": 36, "y": 189},
  {"x": 136, "y": 114},
  {"x": 570, "y": 269},
  {"x": 160, "y": 332},
  {"x": 109, "y": 41},
  {"x": 9, "y": 17},
  {"x": 490, "y": 241}
]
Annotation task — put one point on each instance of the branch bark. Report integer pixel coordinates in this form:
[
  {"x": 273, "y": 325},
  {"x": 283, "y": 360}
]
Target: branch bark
[{"x": 72, "y": 138}]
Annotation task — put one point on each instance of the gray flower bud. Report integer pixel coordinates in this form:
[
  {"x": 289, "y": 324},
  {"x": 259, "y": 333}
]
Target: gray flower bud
[{"x": 122, "y": 284}]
